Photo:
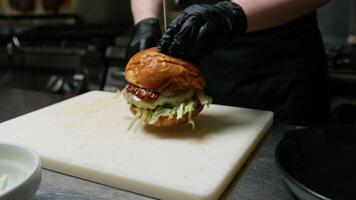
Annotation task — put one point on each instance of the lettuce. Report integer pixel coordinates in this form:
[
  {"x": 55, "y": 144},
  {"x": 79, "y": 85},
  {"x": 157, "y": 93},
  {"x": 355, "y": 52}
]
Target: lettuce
[
  {"x": 117, "y": 94},
  {"x": 189, "y": 109},
  {"x": 3, "y": 182},
  {"x": 171, "y": 108},
  {"x": 205, "y": 100},
  {"x": 180, "y": 111}
]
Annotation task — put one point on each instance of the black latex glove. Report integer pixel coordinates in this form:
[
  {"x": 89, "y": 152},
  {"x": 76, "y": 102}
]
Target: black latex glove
[
  {"x": 199, "y": 29},
  {"x": 146, "y": 34}
]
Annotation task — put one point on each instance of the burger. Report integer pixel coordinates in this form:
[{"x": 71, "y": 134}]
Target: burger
[{"x": 162, "y": 90}]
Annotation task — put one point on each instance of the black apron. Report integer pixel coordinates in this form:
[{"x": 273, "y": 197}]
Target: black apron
[{"x": 282, "y": 69}]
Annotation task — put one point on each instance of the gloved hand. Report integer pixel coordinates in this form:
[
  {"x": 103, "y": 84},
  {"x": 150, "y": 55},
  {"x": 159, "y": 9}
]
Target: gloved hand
[
  {"x": 199, "y": 29},
  {"x": 146, "y": 34}
]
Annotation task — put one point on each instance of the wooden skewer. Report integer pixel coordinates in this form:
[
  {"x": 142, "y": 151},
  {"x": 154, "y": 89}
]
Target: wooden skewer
[{"x": 165, "y": 14}]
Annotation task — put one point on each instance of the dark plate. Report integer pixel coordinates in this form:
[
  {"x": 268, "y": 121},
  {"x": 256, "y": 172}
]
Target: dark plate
[{"x": 319, "y": 163}]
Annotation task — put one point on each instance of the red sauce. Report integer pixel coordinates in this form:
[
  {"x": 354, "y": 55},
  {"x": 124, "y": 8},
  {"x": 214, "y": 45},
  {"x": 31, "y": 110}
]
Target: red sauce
[{"x": 142, "y": 93}]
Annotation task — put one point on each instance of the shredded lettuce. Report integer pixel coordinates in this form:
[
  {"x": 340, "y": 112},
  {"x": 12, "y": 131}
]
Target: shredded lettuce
[
  {"x": 117, "y": 94},
  {"x": 205, "y": 100},
  {"x": 178, "y": 110},
  {"x": 3, "y": 182},
  {"x": 151, "y": 116},
  {"x": 135, "y": 120}
]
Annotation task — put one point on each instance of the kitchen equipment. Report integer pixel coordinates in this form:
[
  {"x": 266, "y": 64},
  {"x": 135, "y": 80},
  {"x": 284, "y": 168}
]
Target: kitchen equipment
[
  {"x": 22, "y": 166},
  {"x": 86, "y": 136},
  {"x": 104, "y": 11},
  {"x": 22, "y": 6},
  {"x": 319, "y": 163},
  {"x": 64, "y": 51}
]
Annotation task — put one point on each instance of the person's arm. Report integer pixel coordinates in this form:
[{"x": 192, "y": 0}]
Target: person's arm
[
  {"x": 262, "y": 14},
  {"x": 147, "y": 31},
  {"x": 143, "y": 9},
  {"x": 200, "y": 29}
]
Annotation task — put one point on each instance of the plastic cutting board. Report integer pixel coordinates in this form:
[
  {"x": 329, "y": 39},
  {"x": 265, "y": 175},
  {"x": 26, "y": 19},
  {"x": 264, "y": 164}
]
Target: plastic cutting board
[{"x": 86, "y": 136}]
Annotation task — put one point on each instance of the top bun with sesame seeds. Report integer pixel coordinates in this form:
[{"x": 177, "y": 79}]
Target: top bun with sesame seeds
[{"x": 153, "y": 70}]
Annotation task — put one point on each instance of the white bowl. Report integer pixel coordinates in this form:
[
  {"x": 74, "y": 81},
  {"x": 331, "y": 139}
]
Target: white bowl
[{"x": 23, "y": 168}]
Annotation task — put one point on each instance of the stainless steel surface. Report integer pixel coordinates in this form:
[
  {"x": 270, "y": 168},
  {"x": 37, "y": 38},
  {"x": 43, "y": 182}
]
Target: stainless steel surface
[
  {"x": 106, "y": 11},
  {"x": 60, "y": 43},
  {"x": 65, "y": 52}
]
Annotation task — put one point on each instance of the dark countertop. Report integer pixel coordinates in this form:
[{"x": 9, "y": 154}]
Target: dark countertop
[{"x": 259, "y": 179}]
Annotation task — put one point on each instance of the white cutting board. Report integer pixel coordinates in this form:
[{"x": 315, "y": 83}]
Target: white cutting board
[{"x": 86, "y": 136}]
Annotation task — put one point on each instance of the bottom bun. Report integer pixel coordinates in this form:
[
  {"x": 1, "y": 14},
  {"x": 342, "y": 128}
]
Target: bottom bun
[{"x": 166, "y": 121}]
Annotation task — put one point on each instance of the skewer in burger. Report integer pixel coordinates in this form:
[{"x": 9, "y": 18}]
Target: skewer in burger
[{"x": 162, "y": 90}]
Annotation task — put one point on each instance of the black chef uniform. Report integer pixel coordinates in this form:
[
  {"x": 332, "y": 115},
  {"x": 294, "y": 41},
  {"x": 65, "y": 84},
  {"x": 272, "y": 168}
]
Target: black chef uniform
[{"x": 281, "y": 69}]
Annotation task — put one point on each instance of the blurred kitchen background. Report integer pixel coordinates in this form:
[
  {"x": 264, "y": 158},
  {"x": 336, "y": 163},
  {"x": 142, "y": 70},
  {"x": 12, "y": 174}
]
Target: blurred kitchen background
[{"x": 68, "y": 47}]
